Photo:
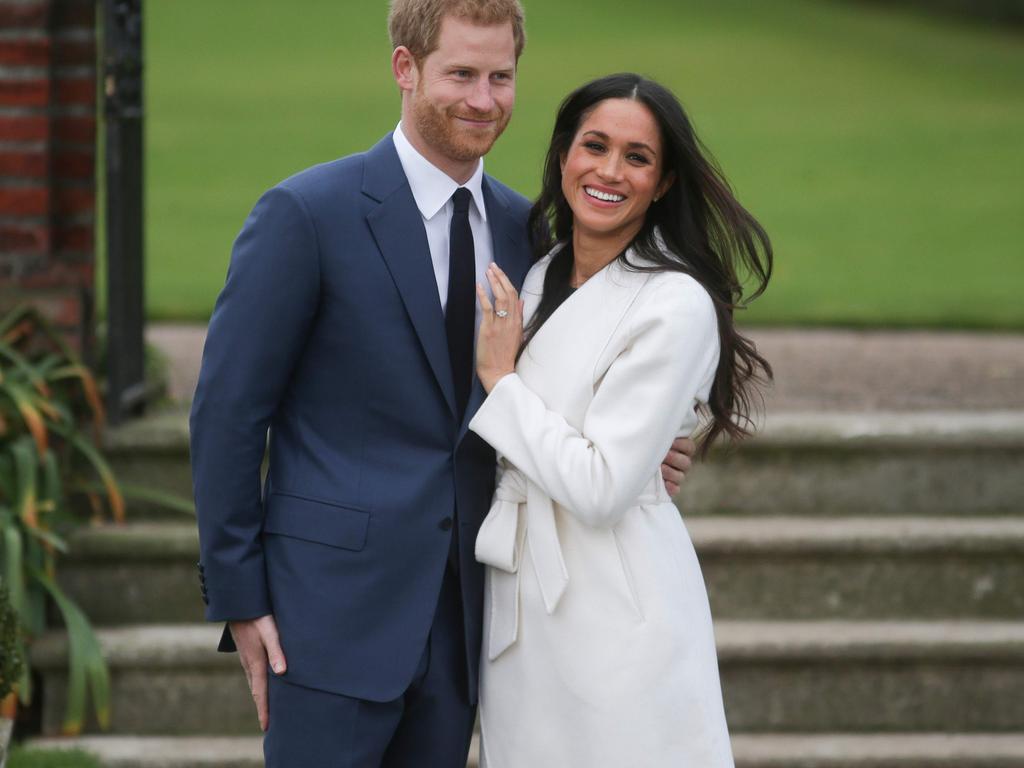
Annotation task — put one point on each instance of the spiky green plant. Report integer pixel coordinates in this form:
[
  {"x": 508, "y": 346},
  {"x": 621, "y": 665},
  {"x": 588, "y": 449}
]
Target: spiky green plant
[
  {"x": 10, "y": 659},
  {"x": 51, "y": 417}
]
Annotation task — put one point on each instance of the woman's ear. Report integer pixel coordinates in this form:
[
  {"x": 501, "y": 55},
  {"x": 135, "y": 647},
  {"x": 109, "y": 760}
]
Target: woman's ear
[
  {"x": 561, "y": 162},
  {"x": 665, "y": 185}
]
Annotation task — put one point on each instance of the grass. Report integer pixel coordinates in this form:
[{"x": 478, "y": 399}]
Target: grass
[
  {"x": 882, "y": 149},
  {"x": 46, "y": 758}
]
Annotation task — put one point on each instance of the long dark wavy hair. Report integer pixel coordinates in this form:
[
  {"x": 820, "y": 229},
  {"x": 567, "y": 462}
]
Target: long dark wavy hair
[{"x": 706, "y": 233}]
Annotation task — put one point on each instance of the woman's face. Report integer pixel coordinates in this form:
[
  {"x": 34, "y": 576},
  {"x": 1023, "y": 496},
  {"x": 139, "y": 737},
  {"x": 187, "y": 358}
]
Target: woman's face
[{"x": 613, "y": 169}]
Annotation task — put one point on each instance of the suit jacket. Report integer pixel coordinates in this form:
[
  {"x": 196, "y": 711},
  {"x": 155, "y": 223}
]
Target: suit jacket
[{"x": 329, "y": 333}]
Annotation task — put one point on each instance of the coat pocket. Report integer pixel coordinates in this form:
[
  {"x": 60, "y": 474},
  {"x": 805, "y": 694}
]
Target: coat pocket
[
  {"x": 320, "y": 522},
  {"x": 627, "y": 576}
]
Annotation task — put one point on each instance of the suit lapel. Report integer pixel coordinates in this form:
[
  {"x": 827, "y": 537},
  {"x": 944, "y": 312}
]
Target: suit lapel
[
  {"x": 398, "y": 229},
  {"x": 507, "y": 238},
  {"x": 507, "y": 235}
]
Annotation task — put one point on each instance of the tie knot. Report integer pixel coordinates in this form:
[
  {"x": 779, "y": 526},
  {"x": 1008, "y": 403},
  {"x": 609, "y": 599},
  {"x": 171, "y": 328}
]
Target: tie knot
[{"x": 461, "y": 200}]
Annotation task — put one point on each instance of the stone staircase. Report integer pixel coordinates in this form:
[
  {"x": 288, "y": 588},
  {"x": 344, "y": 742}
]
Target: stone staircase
[{"x": 866, "y": 574}]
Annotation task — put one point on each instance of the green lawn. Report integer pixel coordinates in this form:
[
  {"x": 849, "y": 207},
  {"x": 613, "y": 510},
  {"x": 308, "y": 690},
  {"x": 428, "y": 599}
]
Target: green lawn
[
  {"x": 883, "y": 150},
  {"x": 45, "y": 758}
]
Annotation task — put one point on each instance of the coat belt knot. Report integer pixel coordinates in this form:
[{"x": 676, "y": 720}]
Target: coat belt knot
[{"x": 520, "y": 510}]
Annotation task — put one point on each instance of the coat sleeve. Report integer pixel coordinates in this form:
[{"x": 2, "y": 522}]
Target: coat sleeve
[
  {"x": 668, "y": 355},
  {"x": 256, "y": 334}
]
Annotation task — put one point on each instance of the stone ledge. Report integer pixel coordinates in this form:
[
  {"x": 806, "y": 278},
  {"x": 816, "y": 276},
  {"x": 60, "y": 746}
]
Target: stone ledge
[
  {"x": 167, "y": 431},
  {"x": 953, "y": 641},
  {"x": 726, "y": 534},
  {"x": 897, "y": 750},
  {"x": 145, "y": 541},
  {"x": 194, "y": 646},
  {"x": 711, "y": 534}
]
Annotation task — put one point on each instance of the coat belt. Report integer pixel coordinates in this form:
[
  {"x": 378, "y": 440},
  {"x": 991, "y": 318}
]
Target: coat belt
[
  {"x": 500, "y": 545},
  {"x": 521, "y": 512}
]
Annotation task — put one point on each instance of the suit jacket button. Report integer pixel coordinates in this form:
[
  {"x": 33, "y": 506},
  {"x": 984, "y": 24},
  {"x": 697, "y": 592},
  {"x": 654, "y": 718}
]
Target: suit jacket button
[{"x": 446, "y": 524}]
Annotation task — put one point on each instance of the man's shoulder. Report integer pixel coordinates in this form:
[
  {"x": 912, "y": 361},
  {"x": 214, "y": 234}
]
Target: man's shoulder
[
  {"x": 330, "y": 179},
  {"x": 519, "y": 205}
]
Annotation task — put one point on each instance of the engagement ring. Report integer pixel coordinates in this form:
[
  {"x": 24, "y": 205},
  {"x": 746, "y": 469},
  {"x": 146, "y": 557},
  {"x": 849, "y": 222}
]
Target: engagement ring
[{"x": 502, "y": 313}]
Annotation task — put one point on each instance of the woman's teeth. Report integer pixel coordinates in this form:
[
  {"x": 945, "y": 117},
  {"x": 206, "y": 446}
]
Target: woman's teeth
[{"x": 608, "y": 197}]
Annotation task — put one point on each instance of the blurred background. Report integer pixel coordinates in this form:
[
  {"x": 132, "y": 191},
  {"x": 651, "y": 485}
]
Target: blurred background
[{"x": 880, "y": 143}]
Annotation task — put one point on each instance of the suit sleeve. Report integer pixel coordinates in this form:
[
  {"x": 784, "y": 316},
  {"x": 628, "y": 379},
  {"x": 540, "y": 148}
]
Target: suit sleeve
[
  {"x": 256, "y": 334},
  {"x": 669, "y": 354}
]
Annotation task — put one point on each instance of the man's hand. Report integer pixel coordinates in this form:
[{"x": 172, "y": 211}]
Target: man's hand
[
  {"x": 677, "y": 463},
  {"x": 258, "y": 644}
]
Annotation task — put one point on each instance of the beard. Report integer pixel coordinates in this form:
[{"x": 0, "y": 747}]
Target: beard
[{"x": 440, "y": 128}]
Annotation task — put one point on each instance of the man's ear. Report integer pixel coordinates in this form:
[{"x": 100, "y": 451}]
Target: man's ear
[{"x": 404, "y": 69}]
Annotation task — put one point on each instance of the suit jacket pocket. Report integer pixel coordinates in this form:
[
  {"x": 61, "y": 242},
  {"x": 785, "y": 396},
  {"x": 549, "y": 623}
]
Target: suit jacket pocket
[{"x": 317, "y": 521}]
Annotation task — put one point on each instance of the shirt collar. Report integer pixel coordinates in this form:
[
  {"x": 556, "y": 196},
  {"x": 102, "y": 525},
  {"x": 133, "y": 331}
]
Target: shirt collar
[{"x": 431, "y": 187}]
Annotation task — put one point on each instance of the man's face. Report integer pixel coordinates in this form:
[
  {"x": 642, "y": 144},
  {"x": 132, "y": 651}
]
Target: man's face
[{"x": 465, "y": 90}]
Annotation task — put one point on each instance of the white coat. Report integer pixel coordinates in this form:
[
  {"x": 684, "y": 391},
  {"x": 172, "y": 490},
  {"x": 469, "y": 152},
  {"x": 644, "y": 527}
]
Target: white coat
[{"x": 598, "y": 648}]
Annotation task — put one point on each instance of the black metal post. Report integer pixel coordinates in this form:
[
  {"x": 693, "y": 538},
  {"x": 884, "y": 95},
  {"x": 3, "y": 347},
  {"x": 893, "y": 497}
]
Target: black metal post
[{"x": 123, "y": 110}]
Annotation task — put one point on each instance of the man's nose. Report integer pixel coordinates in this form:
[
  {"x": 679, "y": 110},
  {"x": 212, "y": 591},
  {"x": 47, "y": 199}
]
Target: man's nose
[{"x": 481, "y": 99}]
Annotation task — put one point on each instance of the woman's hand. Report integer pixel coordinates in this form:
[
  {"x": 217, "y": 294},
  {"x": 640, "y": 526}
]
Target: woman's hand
[{"x": 501, "y": 329}]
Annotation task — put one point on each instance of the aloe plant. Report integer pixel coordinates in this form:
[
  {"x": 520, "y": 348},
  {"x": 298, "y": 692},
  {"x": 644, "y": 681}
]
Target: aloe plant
[
  {"x": 10, "y": 659},
  {"x": 51, "y": 420}
]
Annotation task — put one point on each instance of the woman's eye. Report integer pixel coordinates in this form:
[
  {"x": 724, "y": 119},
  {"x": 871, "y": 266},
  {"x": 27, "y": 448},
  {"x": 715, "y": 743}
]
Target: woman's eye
[
  {"x": 595, "y": 146},
  {"x": 640, "y": 159}
]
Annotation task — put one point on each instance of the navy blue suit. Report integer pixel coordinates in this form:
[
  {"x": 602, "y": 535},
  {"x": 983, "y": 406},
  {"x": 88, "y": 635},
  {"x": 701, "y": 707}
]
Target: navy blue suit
[{"x": 329, "y": 332}]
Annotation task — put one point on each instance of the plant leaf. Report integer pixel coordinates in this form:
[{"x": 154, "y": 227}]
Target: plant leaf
[
  {"x": 29, "y": 371},
  {"x": 29, "y": 413},
  {"x": 14, "y": 568},
  {"x": 89, "y": 388},
  {"x": 165, "y": 499},
  {"x": 99, "y": 464},
  {"x": 87, "y": 669},
  {"x": 26, "y": 469}
]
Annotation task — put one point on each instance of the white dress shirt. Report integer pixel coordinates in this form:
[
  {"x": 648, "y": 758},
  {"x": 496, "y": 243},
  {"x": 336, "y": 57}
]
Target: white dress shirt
[{"x": 432, "y": 189}]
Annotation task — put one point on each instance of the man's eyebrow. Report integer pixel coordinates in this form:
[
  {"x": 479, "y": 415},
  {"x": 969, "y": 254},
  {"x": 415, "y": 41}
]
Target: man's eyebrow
[
  {"x": 632, "y": 145},
  {"x": 470, "y": 68}
]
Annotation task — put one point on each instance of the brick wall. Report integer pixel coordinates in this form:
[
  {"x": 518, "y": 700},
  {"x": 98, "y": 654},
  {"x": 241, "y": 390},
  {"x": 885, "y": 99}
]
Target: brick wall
[{"x": 47, "y": 159}]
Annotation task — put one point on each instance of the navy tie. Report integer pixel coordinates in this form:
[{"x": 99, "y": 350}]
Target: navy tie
[{"x": 460, "y": 313}]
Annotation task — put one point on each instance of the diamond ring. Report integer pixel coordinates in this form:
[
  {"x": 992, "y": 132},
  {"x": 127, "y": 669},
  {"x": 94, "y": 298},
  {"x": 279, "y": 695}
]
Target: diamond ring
[{"x": 501, "y": 312}]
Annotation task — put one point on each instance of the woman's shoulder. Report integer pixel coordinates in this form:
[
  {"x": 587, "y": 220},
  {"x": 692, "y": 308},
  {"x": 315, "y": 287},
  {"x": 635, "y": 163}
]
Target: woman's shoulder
[
  {"x": 533, "y": 283},
  {"x": 677, "y": 299}
]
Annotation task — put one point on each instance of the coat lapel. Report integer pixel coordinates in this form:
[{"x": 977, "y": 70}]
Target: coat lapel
[{"x": 398, "y": 229}]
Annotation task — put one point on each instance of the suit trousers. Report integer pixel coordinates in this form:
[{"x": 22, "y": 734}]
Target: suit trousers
[{"x": 429, "y": 726}]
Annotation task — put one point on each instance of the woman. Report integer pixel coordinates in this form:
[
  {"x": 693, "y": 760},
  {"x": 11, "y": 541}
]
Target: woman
[{"x": 598, "y": 642}]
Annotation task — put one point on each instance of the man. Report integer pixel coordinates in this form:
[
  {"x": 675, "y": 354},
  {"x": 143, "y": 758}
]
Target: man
[{"x": 346, "y": 328}]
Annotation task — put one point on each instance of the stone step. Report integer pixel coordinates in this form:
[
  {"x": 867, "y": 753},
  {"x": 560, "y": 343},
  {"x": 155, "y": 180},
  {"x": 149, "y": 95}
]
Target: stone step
[
  {"x": 901, "y": 750},
  {"x": 829, "y": 676},
  {"x": 152, "y": 452},
  {"x": 904, "y": 464},
  {"x": 138, "y": 573},
  {"x": 861, "y": 568},
  {"x": 890, "y": 464},
  {"x": 755, "y": 567},
  {"x": 849, "y": 676}
]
